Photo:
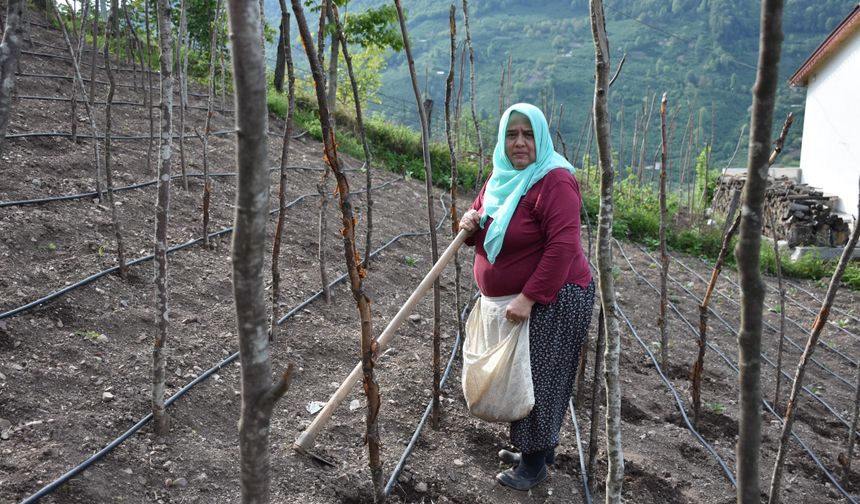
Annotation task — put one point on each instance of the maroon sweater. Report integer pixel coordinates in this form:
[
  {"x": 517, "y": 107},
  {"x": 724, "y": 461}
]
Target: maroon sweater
[{"x": 542, "y": 249}]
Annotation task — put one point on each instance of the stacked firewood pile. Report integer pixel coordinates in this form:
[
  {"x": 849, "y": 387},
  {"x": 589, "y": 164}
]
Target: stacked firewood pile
[{"x": 802, "y": 215}]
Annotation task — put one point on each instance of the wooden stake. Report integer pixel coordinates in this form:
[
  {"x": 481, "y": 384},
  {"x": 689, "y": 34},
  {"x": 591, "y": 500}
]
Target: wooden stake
[
  {"x": 353, "y": 260},
  {"x": 431, "y": 218},
  {"x": 614, "y": 449},
  {"x": 287, "y": 57},
  {"x": 162, "y": 214},
  {"x": 472, "y": 97},
  {"x": 664, "y": 254},
  {"x": 117, "y": 225},
  {"x": 455, "y": 218},
  {"x": 359, "y": 119}
]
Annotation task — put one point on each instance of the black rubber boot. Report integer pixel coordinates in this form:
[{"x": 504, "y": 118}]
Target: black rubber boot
[
  {"x": 513, "y": 458},
  {"x": 529, "y": 472}
]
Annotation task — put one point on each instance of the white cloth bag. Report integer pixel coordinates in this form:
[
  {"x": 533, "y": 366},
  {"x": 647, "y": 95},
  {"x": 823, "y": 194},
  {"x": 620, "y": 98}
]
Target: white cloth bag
[{"x": 497, "y": 377}]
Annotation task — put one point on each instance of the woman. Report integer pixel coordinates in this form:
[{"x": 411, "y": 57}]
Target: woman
[{"x": 526, "y": 232}]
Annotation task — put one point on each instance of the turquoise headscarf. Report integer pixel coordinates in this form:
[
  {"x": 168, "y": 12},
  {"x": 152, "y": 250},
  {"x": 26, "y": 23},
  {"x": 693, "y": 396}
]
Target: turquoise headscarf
[{"x": 507, "y": 184}]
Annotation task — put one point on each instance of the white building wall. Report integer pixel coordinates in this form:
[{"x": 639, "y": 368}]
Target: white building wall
[{"x": 830, "y": 154}]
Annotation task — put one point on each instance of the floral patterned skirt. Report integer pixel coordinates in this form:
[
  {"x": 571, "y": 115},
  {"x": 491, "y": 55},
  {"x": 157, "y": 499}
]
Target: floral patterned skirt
[{"x": 556, "y": 334}]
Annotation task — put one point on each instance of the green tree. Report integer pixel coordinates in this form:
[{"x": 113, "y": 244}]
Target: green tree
[{"x": 368, "y": 65}]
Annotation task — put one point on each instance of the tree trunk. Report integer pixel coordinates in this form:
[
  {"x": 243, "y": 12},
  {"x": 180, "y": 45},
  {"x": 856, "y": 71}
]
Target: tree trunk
[
  {"x": 162, "y": 213},
  {"x": 283, "y": 41},
  {"x": 614, "y": 450},
  {"x": 322, "y": 222},
  {"x": 117, "y": 226},
  {"x": 331, "y": 81},
  {"x": 747, "y": 253},
  {"x": 87, "y": 101},
  {"x": 431, "y": 215},
  {"x": 223, "y": 76},
  {"x": 252, "y": 195},
  {"x": 355, "y": 271},
  {"x": 599, "y": 347},
  {"x": 114, "y": 19},
  {"x": 95, "y": 32},
  {"x": 182, "y": 67},
  {"x": 151, "y": 107},
  {"x": 781, "y": 290},
  {"x": 210, "y": 103},
  {"x": 322, "y": 231},
  {"x": 664, "y": 254},
  {"x": 472, "y": 99},
  {"x": 359, "y": 119},
  {"x": 10, "y": 50},
  {"x": 137, "y": 45},
  {"x": 644, "y": 142},
  {"x": 811, "y": 343},
  {"x": 287, "y": 58},
  {"x": 455, "y": 218},
  {"x": 459, "y": 106}
]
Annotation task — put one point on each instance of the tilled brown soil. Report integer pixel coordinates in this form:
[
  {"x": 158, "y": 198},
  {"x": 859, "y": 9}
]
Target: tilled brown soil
[{"x": 74, "y": 373}]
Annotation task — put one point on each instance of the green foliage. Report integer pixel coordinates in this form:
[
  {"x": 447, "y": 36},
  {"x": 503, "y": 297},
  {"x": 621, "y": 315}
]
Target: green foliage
[
  {"x": 716, "y": 408},
  {"x": 703, "y": 181},
  {"x": 367, "y": 65},
  {"x": 375, "y": 27},
  {"x": 851, "y": 277},
  {"x": 704, "y": 243},
  {"x": 397, "y": 148},
  {"x": 88, "y": 334},
  {"x": 707, "y": 52}
]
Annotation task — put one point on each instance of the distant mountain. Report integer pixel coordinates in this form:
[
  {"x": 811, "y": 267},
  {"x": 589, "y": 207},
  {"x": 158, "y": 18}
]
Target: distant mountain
[{"x": 702, "y": 52}]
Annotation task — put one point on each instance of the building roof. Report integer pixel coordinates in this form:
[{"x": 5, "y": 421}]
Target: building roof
[{"x": 831, "y": 44}]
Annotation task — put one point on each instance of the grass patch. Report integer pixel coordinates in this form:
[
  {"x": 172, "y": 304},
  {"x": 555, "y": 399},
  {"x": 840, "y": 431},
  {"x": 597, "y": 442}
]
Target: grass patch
[
  {"x": 396, "y": 148},
  {"x": 637, "y": 218}
]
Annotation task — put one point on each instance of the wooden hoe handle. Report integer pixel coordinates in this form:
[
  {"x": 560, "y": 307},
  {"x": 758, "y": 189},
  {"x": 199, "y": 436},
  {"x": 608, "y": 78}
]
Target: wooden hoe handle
[{"x": 306, "y": 438}]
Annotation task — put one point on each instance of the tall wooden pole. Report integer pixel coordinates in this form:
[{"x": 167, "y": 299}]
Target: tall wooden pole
[
  {"x": 747, "y": 253},
  {"x": 162, "y": 213},
  {"x": 606, "y": 282},
  {"x": 355, "y": 271},
  {"x": 431, "y": 216}
]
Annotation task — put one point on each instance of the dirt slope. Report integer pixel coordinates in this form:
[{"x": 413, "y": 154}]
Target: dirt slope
[{"x": 74, "y": 373}]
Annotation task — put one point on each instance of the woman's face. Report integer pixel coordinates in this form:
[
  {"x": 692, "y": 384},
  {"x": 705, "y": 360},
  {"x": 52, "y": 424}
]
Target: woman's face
[{"x": 520, "y": 141}]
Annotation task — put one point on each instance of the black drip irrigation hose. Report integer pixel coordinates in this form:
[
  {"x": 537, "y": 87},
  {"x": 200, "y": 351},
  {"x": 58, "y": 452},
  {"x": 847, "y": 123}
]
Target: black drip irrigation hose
[
  {"x": 728, "y": 326},
  {"x": 392, "y": 480},
  {"x": 586, "y": 490},
  {"x": 834, "y": 309},
  {"x": 140, "y": 185},
  {"x": 83, "y": 63},
  {"x": 135, "y": 136},
  {"x": 734, "y": 367},
  {"x": 679, "y": 402},
  {"x": 49, "y": 488},
  {"x": 69, "y": 77},
  {"x": 796, "y": 303},
  {"x": 40, "y": 25},
  {"x": 56, "y": 294},
  {"x": 102, "y": 103},
  {"x": 788, "y": 282},
  {"x": 764, "y": 356},
  {"x": 63, "y": 134},
  {"x": 821, "y": 342},
  {"x": 63, "y": 99}
]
